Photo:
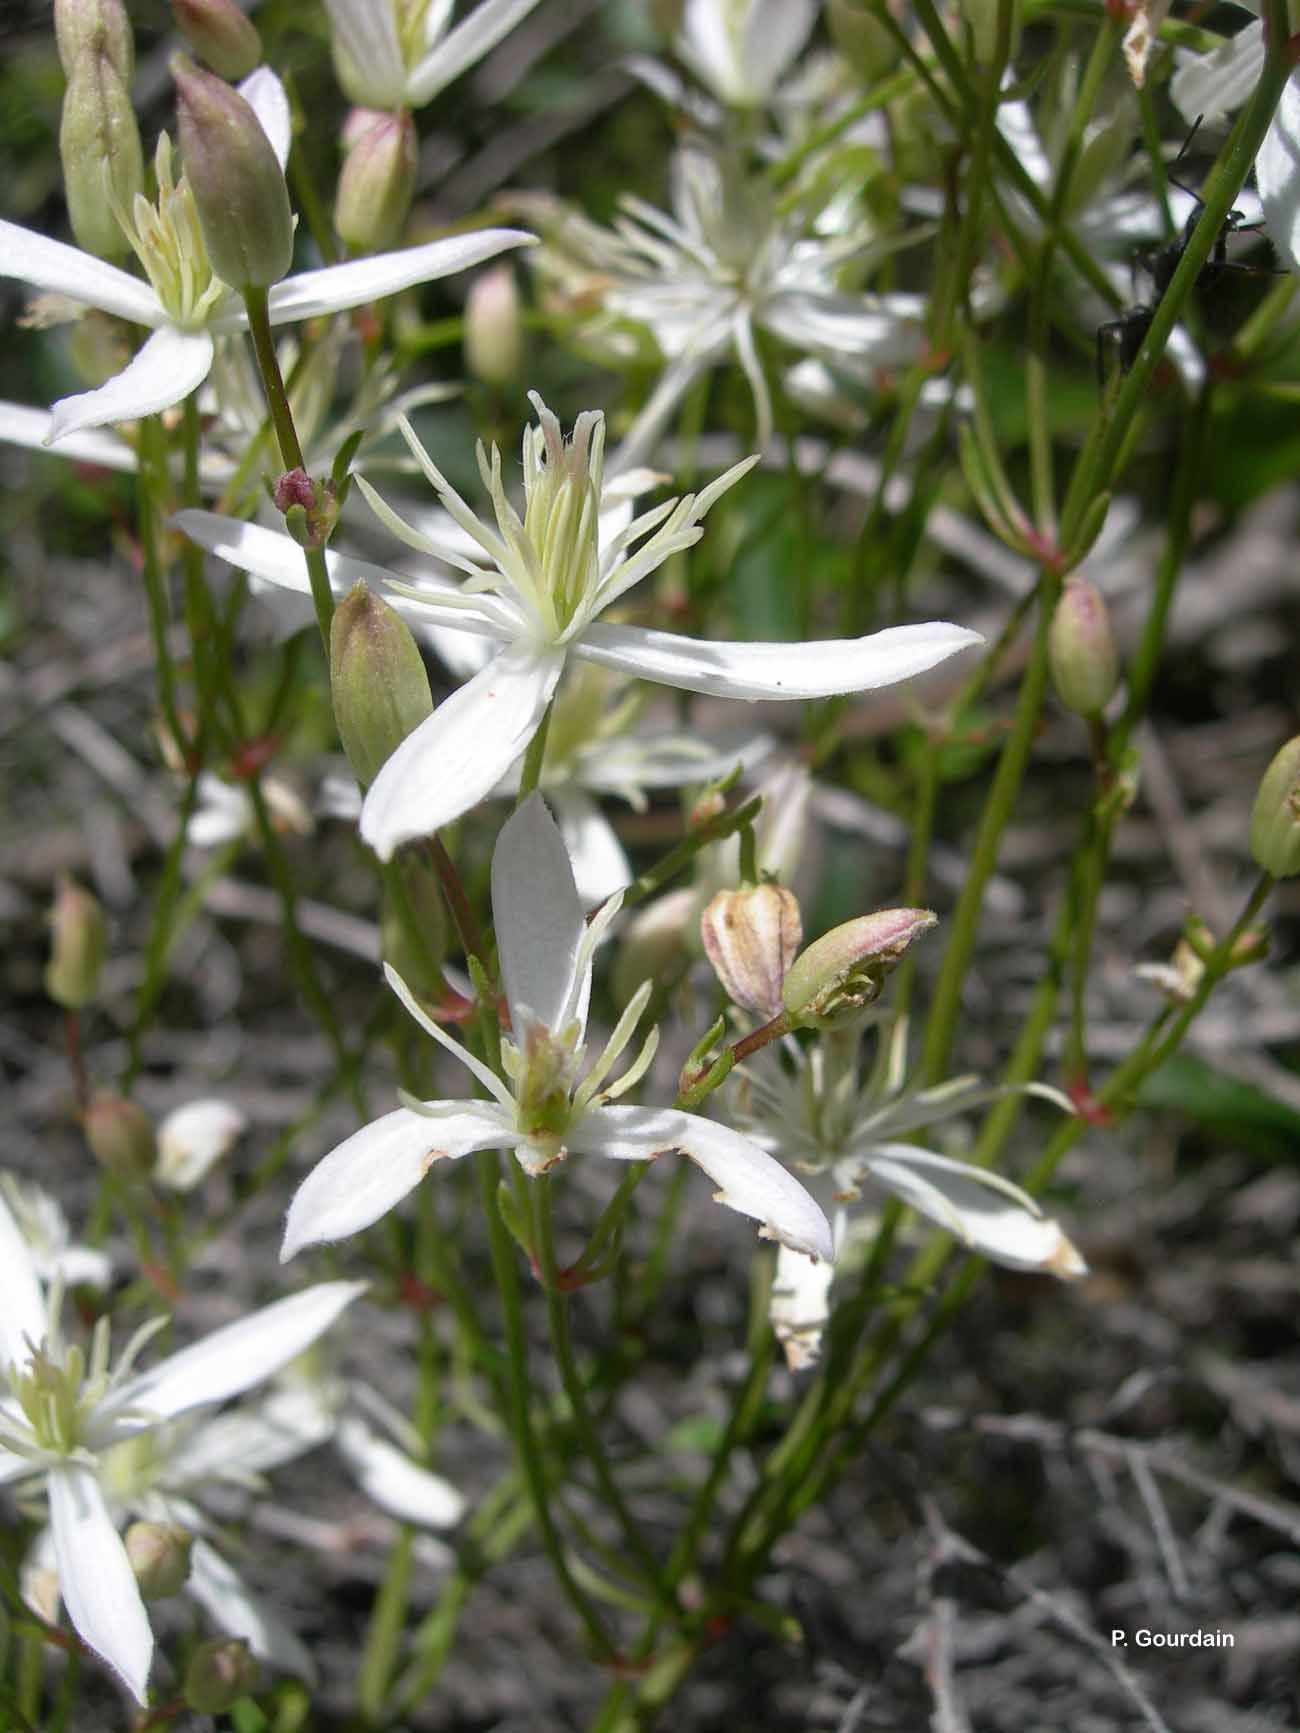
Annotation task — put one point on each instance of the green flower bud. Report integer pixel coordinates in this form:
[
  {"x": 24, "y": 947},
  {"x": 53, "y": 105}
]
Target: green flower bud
[
  {"x": 377, "y": 681},
  {"x": 1275, "y": 821},
  {"x": 224, "y": 37},
  {"x": 160, "y": 1557},
  {"x": 494, "y": 333},
  {"x": 416, "y": 955},
  {"x": 238, "y": 185},
  {"x": 750, "y": 937},
  {"x": 863, "y": 38},
  {"x": 844, "y": 971},
  {"x": 120, "y": 1135},
  {"x": 99, "y": 27},
  {"x": 655, "y": 939},
  {"x": 99, "y": 144},
  {"x": 77, "y": 948},
  {"x": 377, "y": 181},
  {"x": 1081, "y": 650},
  {"x": 221, "y": 1671}
]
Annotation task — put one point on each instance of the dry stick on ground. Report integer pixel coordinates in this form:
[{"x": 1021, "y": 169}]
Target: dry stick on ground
[{"x": 935, "y": 1637}]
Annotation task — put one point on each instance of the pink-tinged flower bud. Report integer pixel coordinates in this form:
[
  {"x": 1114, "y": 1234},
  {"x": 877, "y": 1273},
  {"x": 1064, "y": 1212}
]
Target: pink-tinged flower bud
[
  {"x": 99, "y": 27},
  {"x": 224, "y": 37},
  {"x": 221, "y": 1671},
  {"x": 77, "y": 947},
  {"x": 377, "y": 180},
  {"x": 236, "y": 179},
  {"x": 377, "y": 681},
  {"x": 844, "y": 971},
  {"x": 1275, "y": 821},
  {"x": 750, "y": 937},
  {"x": 494, "y": 333},
  {"x": 160, "y": 1557},
  {"x": 192, "y": 1139},
  {"x": 99, "y": 145},
  {"x": 1081, "y": 650},
  {"x": 120, "y": 1135}
]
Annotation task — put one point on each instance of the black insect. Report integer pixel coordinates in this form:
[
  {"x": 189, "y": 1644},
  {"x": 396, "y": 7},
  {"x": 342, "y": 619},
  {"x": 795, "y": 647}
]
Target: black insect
[{"x": 1124, "y": 335}]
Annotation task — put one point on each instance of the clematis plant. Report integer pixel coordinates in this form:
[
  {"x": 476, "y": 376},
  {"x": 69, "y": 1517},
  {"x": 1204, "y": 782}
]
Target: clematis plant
[
  {"x": 538, "y": 589},
  {"x": 394, "y": 54},
  {"x": 549, "y": 1107},
  {"x": 63, "y": 1412}
]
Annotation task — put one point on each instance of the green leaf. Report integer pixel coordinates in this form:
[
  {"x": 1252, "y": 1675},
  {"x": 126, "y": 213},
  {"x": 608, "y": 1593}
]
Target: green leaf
[{"x": 1249, "y": 1115}]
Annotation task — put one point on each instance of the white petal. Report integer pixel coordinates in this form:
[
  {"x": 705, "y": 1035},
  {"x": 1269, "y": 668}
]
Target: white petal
[
  {"x": 95, "y": 1576},
  {"x": 338, "y": 287},
  {"x": 489, "y": 1079},
  {"x": 395, "y": 1483},
  {"x": 800, "y": 1306},
  {"x": 462, "y": 47},
  {"x": 194, "y": 1137},
  {"x": 34, "y": 428},
  {"x": 749, "y": 1180},
  {"x": 22, "y": 1305},
  {"x": 171, "y": 365},
  {"x": 1277, "y": 174},
  {"x": 250, "y": 1439},
  {"x": 599, "y": 865},
  {"x": 538, "y": 914},
  {"x": 372, "y": 1171},
  {"x": 237, "y": 1356},
  {"x": 82, "y": 1266},
  {"x": 47, "y": 264},
  {"x": 987, "y": 1212},
  {"x": 642, "y": 436},
  {"x": 366, "y": 33},
  {"x": 239, "y": 1613},
  {"x": 1214, "y": 85},
  {"x": 807, "y": 670},
  {"x": 775, "y": 31},
  {"x": 266, "y": 96},
  {"x": 455, "y": 759}
]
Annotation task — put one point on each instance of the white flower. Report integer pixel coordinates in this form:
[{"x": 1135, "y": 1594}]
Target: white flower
[
  {"x": 742, "y": 48},
  {"x": 44, "y": 1229},
  {"x": 193, "y": 1138},
  {"x": 224, "y": 811},
  {"x": 814, "y": 1112},
  {"x": 396, "y": 54},
  {"x": 551, "y": 1108},
  {"x": 63, "y": 1411},
  {"x": 1208, "y": 87},
  {"x": 538, "y": 594},
  {"x": 188, "y": 308}
]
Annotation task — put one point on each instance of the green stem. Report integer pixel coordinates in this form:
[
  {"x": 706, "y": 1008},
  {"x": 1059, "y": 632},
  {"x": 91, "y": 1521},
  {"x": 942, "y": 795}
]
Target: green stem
[{"x": 531, "y": 774}]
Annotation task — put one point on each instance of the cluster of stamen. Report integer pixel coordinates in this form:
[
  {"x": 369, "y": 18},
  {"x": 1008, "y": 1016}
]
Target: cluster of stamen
[{"x": 168, "y": 242}]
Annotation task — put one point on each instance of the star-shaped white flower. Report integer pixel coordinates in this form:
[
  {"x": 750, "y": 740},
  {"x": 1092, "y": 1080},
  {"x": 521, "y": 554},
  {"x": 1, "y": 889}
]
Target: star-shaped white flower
[
  {"x": 550, "y": 1108},
  {"x": 63, "y": 1411},
  {"x": 186, "y": 307},
  {"x": 742, "y": 48},
  {"x": 395, "y": 54},
  {"x": 538, "y": 589}
]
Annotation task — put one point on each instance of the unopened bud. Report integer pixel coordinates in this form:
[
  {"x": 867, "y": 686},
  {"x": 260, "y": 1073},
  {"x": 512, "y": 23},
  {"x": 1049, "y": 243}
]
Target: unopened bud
[
  {"x": 224, "y": 37},
  {"x": 750, "y": 937},
  {"x": 377, "y": 680},
  {"x": 709, "y": 804},
  {"x": 77, "y": 949},
  {"x": 863, "y": 38},
  {"x": 192, "y": 1139},
  {"x": 120, "y": 1135},
  {"x": 160, "y": 1557},
  {"x": 99, "y": 145},
  {"x": 844, "y": 971},
  {"x": 1081, "y": 649},
  {"x": 377, "y": 180},
  {"x": 98, "y": 27},
  {"x": 1275, "y": 821},
  {"x": 221, "y": 1671},
  {"x": 236, "y": 179},
  {"x": 655, "y": 938},
  {"x": 1179, "y": 978},
  {"x": 414, "y": 932},
  {"x": 494, "y": 333}
]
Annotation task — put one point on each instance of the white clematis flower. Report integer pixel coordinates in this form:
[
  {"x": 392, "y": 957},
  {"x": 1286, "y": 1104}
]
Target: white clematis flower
[
  {"x": 537, "y": 589},
  {"x": 550, "y": 1108},
  {"x": 394, "y": 54},
  {"x": 187, "y": 307},
  {"x": 741, "y": 49},
  {"x": 44, "y": 1229},
  {"x": 62, "y": 1412}
]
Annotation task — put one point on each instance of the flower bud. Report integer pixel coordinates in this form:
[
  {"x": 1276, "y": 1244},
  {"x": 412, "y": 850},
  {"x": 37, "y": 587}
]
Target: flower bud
[
  {"x": 77, "y": 950},
  {"x": 99, "y": 144},
  {"x": 224, "y": 37},
  {"x": 377, "y": 180},
  {"x": 99, "y": 27},
  {"x": 863, "y": 38},
  {"x": 160, "y": 1557},
  {"x": 237, "y": 182},
  {"x": 494, "y": 337},
  {"x": 377, "y": 680},
  {"x": 415, "y": 942},
  {"x": 221, "y": 1671},
  {"x": 750, "y": 937},
  {"x": 655, "y": 938},
  {"x": 1081, "y": 650},
  {"x": 844, "y": 971},
  {"x": 120, "y": 1135},
  {"x": 1275, "y": 821},
  {"x": 192, "y": 1139}
]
